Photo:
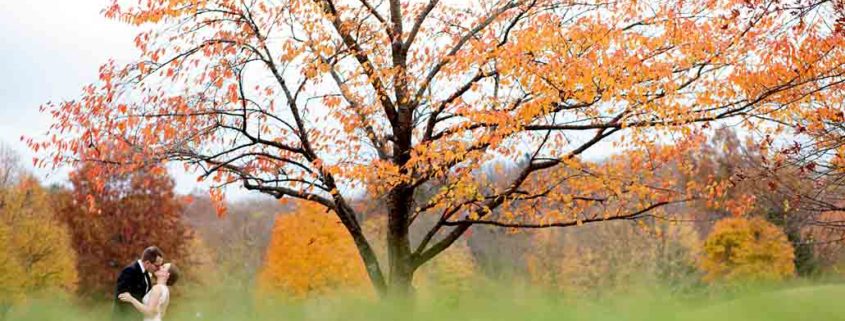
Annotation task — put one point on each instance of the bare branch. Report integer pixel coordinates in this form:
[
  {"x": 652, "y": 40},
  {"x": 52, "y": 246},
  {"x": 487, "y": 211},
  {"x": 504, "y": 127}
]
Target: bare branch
[{"x": 418, "y": 23}]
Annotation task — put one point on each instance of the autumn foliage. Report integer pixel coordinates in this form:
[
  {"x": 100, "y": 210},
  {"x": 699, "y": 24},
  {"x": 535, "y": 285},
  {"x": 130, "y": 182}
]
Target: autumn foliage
[
  {"x": 112, "y": 218},
  {"x": 614, "y": 257},
  {"x": 238, "y": 241},
  {"x": 36, "y": 254},
  {"x": 742, "y": 249},
  {"x": 313, "y": 99},
  {"x": 310, "y": 254}
]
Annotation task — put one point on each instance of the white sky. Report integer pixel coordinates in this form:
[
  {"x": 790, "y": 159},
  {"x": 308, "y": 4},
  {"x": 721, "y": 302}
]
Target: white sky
[{"x": 49, "y": 50}]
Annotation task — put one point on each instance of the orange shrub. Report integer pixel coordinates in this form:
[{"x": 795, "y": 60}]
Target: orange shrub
[
  {"x": 310, "y": 253},
  {"x": 747, "y": 249}
]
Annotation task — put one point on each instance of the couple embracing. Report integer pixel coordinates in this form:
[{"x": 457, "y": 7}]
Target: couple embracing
[{"x": 142, "y": 290}]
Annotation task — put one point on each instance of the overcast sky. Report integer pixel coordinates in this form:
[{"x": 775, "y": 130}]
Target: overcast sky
[{"x": 50, "y": 49}]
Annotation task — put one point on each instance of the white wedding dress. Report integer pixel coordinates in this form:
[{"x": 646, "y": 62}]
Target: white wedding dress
[{"x": 162, "y": 303}]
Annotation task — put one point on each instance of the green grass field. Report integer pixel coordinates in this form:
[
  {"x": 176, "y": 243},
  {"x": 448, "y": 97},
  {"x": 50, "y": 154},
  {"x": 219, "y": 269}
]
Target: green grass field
[
  {"x": 796, "y": 302},
  {"x": 820, "y": 302}
]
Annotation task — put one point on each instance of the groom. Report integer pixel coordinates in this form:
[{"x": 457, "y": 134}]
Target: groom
[{"x": 135, "y": 279}]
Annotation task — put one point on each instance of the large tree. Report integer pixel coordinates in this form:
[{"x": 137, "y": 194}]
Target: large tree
[
  {"x": 317, "y": 99},
  {"x": 37, "y": 255}
]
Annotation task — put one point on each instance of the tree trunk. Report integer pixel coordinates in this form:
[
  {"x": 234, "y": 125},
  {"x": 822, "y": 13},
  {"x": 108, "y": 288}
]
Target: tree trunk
[
  {"x": 364, "y": 249},
  {"x": 400, "y": 199},
  {"x": 371, "y": 264},
  {"x": 398, "y": 242}
]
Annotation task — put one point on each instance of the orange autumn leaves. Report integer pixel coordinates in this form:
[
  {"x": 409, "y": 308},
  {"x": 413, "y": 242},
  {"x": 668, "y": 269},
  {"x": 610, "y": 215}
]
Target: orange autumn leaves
[{"x": 310, "y": 253}]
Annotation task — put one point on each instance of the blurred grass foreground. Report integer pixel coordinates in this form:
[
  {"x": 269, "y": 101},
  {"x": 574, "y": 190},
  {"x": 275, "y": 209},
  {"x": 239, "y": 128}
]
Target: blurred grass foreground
[{"x": 488, "y": 302}]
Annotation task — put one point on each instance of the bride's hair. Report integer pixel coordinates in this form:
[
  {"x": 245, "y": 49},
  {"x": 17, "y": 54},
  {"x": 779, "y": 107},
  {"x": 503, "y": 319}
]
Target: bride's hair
[{"x": 174, "y": 275}]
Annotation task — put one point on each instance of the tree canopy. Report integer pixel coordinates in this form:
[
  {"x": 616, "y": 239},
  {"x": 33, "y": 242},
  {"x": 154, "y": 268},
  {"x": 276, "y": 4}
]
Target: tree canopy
[
  {"x": 114, "y": 216},
  {"x": 318, "y": 99}
]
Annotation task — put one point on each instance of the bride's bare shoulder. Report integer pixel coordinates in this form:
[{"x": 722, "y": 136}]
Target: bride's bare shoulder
[{"x": 158, "y": 288}]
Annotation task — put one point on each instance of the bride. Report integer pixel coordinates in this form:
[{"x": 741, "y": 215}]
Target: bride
[{"x": 155, "y": 303}]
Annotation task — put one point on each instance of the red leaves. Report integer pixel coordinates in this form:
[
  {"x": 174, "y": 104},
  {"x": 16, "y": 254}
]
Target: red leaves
[
  {"x": 773, "y": 186},
  {"x": 811, "y": 166},
  {"x": 113, "y": 216},
  {"x": 233, "y": 94},
  {"x": 169, "y": 132},
  {"x": 219, "y": 201},
  {"x": 187, "y": 199}
]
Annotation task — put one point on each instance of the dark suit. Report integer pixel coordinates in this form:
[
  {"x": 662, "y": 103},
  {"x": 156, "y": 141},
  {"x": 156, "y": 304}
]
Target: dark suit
[{"x": 132, "y": 279}]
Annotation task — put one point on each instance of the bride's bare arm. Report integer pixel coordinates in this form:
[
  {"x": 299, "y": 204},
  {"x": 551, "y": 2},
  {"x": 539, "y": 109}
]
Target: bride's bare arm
[{"x": 151, "y": 308}]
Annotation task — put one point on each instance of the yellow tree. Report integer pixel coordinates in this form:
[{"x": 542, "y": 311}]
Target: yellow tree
[
  {"x": 38, "y": 255},
  {"x": 316, "y": 99},
  {"x": 310, "y": 253},
  {"x": 11, "y": 272},
  {"x": 747, "y": 249}
]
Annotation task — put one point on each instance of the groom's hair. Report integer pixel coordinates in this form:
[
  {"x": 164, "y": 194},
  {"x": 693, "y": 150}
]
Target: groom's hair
[{"x": 151, "y": 253}]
